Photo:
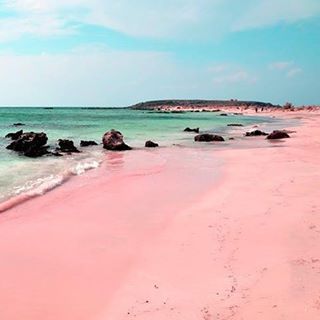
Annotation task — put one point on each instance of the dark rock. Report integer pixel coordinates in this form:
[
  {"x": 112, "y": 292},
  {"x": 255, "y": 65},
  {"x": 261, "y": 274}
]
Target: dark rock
[
  {"x": 113, "y": 140},
  {"x": 196, "y": 130},
  {"x": 18, "y": 124},
  {"x": 89, "y": 143},
  {"x": 256, "y": 133},
  {"x": 35, "y": 152},
  {"x": 31, "y": 144},
  {"x": 235, "y": 125},
  {"x": 278, "y": 134},
  {"x": 207, "y": 137},
  {"x": 223, "y": 114},
  {"x": 66, "y": 146},
  {"x": 231, "y": 138},
  {"x": 14, "y": 135},
  {"x": 151, "y": 144}
]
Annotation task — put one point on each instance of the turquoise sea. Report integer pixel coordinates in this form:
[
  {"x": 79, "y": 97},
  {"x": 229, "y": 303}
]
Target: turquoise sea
[{"x": 19, "y": 174}]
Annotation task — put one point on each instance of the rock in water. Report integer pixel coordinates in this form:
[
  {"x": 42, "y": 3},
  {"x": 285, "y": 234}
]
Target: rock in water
[
  {"x": 35, "y": 152},
  {"x": 235, "y": 125},
  {"x": 18, "y": 124},
  {"x": 31, "y": 144},
  {"x": 151, "y": 144},
  {"x": 14, "y": 135},
  {"x": 67, "y": 146},
  {"x": 89, "y": 143},
  {"x": 278, "y": 134},
  {"x": 196, "y": 130},
  {"x": 207, "y": 137},
  {"x": 113, "y": 140},
  {"x": 256, "y": 133}
]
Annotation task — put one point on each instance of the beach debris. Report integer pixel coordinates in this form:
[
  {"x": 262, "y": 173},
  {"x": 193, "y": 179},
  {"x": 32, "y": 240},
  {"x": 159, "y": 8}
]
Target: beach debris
[
  {"x": 67, "y": 146},
  {"x": 278, "y": 134},
  {"x": 113, "y": 140},
  {"x": 14, "y": 135},
  {"x": 235, "y": 125},
  {"x": 151, "y": 144},
  {"x": 256, "y": 133},
  {"x": 84, "y": 143},
  {"x": 31, "y": 144},
  {"x": 196, "y": 130},
  {"x": 207, "y": 137}
]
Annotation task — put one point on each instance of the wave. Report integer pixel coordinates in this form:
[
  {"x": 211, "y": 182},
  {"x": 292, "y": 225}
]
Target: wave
[{"x": 40, "y": 186}]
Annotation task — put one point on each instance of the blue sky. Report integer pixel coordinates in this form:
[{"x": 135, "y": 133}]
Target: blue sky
[{"x": 117, "y": 53}]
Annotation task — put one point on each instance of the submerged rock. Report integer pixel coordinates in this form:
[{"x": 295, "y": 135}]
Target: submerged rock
[
  {"x": 113, "y": 140},
  {"x": 151, "y": 144},
  {"x": 207, "y": 137},
  {"x": 18, "y": 124},
  {"x": 235, "y": 125},
  {"x": 255, "y": 133},
  {"x": 84, "y": 143},
  {"x": 67, "y": 146},
  {"x": 224, "y": 114},
  {"x": 278, "y": 134},
  {"x": 31, "y": 144},
  {"x": 14, "y": 135},
  {"x": 196, "y": 130}
]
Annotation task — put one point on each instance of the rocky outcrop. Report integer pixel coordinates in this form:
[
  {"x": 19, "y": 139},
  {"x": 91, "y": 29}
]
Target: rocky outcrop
[
  {"x": 113, "y": 140},
  {"x": 196, "y": 130},
  {"x": 278, "y": 134},
  {"x": 256, "y": 133},
  {"x": 207, "y": 137},
  {"x": 67, "y": 146},
  {"x": 30, "y": 144},
  {"x": 14, "y": 135},
  {"x": 151, "y": 144},
  {"x": 84, "y": 143}
]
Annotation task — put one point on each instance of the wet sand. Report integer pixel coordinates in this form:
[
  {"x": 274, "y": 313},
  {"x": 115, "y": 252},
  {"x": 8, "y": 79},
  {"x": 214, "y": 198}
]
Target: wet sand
[{"x": 173, "y": 234}]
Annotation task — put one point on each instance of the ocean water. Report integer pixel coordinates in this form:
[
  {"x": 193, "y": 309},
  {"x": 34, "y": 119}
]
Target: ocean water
[{"x": 19, "y": 175}]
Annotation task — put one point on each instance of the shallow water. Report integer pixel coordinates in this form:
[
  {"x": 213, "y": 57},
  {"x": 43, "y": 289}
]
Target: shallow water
[{"x": 19, "y": 174}]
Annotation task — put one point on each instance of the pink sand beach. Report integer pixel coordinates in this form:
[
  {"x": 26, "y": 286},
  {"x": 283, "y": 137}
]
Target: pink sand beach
[{"x": 173, "y": 233}]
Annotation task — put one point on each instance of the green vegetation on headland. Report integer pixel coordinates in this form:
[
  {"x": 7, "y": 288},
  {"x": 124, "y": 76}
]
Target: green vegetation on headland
[{"x": 200, "y": 104}]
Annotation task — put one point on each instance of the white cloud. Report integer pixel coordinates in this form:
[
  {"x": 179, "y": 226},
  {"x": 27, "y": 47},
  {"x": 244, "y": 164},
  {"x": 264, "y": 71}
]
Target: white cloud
[
  {"x": 287, "y": 68},
  {"x": 293, "y": 72},
  {"x": 269, "y": 12},
  {"x": 236, "y": 77},
  {"x": 280, "y": 65},
  {"x": 230, "y": 74},
  {"x": 83, "y": 77},
  {"x": 184, "y": 19}
]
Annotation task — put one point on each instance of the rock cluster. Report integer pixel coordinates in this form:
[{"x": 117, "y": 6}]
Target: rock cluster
[
  {"x": 255, "y": 133},
  {"x": 278, "y": 134},
  {"x": 207, "y": 137},
  {"x": 196, "y": 130},
  {"x": 30, "y": 144},
  {"x": 151, "y": 144}
]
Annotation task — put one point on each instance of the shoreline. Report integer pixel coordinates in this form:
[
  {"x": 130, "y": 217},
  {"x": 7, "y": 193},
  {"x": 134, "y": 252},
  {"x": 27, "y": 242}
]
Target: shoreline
[
  {"x": 63, "y": 177},
  {"x": 155, "y": 245}
]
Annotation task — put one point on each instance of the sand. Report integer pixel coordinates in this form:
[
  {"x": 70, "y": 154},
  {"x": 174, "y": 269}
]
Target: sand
[{"x": 175, "y": 234}]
